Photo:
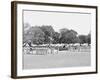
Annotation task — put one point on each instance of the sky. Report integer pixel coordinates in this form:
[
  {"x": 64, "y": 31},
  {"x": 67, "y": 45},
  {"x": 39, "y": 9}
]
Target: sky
[{"x": 80, "y": 22}]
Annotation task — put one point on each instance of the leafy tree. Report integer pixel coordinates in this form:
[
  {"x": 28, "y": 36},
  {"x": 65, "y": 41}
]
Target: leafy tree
[
  {"x": 68, "y": 36},
  {"x": 25, "y": 29},
  {"x": 49, "y": 32},
  {"x": 88, "y": 39},
  {"x": 36, "y": 35},
  {"x": 82, "y": 39},
  {"x": 47, "y": 29},
  {"x": 56, "y": 37},
  {"x": 26, "y": 25},
  {"x": 45, "y": 34}
]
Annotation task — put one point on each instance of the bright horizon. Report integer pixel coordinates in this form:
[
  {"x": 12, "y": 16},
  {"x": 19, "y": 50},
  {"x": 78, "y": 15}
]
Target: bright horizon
[{"x": 81, "y": 23}]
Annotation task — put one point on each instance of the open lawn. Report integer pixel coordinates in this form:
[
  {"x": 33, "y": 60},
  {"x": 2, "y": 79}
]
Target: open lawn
[{"x": 62, "y": 59}]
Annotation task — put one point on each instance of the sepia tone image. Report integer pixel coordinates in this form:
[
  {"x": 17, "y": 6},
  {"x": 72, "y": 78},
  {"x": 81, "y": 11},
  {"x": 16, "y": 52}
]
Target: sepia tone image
[{"x": 54, "y": 39}]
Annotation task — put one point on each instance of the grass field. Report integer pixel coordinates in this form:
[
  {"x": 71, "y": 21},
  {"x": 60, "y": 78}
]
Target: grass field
[{"x": 62, "y": 59}]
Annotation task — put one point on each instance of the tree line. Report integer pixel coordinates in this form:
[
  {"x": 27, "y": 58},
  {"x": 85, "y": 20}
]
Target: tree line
[{"x": 46, "y": 34}]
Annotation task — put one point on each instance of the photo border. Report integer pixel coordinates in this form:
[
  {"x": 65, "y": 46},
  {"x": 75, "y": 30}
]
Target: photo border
[{"x": 14, "y": 37}]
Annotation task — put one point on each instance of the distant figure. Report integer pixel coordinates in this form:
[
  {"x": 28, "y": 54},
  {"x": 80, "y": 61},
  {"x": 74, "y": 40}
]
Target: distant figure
[
  {"x": 64, "y": 46},
  {"x": 30, "y": 45}
]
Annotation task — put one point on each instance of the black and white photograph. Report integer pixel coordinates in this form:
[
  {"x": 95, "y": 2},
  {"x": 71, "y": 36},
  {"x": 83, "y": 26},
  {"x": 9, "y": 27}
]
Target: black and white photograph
[{"x": 53, "y": 39}]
